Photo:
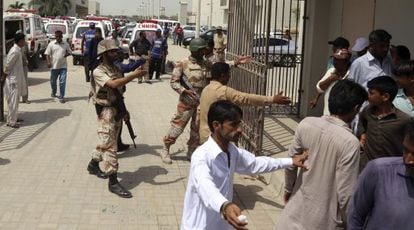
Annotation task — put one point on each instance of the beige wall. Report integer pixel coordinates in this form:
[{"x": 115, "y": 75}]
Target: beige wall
[
  {"x": 396, "y": 17},
  {"x": 357, "y": 19},
  {"x": 315, "y": 52}
]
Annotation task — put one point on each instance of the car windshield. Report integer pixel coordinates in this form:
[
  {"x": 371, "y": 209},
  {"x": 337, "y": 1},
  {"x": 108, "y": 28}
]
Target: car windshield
[
  {"x": 150, "y": 35},
  {"x": 52, "y": 28},
  {"x": 80, "y": 31}
]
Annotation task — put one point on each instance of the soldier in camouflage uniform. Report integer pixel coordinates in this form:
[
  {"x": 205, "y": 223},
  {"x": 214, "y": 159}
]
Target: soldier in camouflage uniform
[
  {"x": 107, "y": 83},
  {"x": 195, "y": 69}
]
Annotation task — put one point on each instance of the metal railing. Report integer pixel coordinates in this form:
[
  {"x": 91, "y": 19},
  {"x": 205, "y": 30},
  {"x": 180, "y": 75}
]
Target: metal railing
[{"x": 271, "y": 31}]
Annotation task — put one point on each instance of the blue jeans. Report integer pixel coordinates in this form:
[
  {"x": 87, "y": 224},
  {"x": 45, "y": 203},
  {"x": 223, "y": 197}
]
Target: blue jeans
[{"x": 54, "y": 74}]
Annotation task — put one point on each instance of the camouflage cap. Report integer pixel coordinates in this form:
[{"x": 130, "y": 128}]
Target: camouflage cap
[{"x": 106, "y": 45}]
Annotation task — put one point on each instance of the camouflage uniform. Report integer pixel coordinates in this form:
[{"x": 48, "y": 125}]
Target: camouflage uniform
[
  {"x": 108, "y": 127},
  {"x": 196, "y": 73}
]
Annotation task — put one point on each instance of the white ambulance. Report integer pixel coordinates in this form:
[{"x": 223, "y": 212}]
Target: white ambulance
[
  {"x": 149, "y": 28},
  {"x": 59, "y": 24},
  {"x": 35, "y": 34},
  {"x": 81, "y": 27},
  {"x": 11, "y": 24}
]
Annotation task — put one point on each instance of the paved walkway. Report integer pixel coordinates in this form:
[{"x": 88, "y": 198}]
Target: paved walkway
[{"x": 43, "y": 177}]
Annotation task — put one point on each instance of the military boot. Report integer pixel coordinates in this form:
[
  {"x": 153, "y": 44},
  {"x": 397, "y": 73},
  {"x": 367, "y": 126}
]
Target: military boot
[
  {"x": 93, "y": 168},
  {"x": 115, "y": 187},
  {"x": 165, "y": 155}
]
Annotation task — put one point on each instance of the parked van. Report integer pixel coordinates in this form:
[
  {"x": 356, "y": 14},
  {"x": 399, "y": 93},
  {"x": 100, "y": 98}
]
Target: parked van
[
  {"x": 149, "y": 28},
  {"x": 11, "y": 24},
  {"x": 35, "y": 35},
  {"x": 81, "y": 27},
  {"x": 62, "y": 25}
]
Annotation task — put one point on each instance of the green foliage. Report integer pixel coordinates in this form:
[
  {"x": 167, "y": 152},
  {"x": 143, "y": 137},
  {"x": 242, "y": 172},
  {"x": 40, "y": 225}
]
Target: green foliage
[
  {"x": 51, "y": 7},
  {"x": 16, "y": 5}
]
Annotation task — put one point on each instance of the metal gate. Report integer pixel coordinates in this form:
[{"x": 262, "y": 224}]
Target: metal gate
[{"x": 271, "y": 31}]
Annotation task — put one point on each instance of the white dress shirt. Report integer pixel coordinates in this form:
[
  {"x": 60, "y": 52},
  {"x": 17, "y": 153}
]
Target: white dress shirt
[
  {"x": 210, "y": 182},
  {"x": 366, "y": 68},
  {"x": 58, "y": 52},
  {"x": 327, "y": 91}
]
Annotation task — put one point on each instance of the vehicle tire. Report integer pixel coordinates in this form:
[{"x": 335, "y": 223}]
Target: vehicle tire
[{"x": 288, "y": 60}]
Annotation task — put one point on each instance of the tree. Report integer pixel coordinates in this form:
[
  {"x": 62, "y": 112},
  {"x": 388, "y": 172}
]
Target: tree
[
  {"x": 16, "y": 5},
  {"x": 51, "y": 7}
]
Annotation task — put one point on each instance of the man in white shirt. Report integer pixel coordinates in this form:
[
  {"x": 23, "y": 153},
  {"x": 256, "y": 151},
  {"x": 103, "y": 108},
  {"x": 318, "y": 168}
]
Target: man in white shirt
[
  {"x": 14, "y": 76},
  {"x": 56, "y": 53},
  {"x": 375, "y": 62},
  {"x": 207, "y": 202}
]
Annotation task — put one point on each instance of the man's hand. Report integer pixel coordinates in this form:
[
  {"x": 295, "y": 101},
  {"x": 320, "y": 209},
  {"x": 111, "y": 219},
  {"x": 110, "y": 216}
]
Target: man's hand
[
  {"x": 231, "y": 213},
  {"x": 191, "y": 93},
  {"x": 286, "y": 197},
  {"x": 299, "y": 160},
  {"x": 362, "y": 141},
  {"x": 139, "y": 72},
  {"x": 242, "y": 60},
  {"x": 127, "y": 116},
  {"x": 313, "y": 103},
  {"x": 3, "y": 76},
  {"x": 280, "y": 99},
  {"x": 49, "y": 65}
]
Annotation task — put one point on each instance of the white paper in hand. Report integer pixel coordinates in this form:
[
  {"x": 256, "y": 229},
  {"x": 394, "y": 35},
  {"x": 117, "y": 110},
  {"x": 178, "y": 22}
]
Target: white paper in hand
[{"x": 242, "y": 218}]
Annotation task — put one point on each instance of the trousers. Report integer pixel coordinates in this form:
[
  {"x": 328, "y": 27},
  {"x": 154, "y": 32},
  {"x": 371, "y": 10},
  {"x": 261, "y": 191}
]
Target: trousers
[
  {"x": 184, "y": 113},
  {"x": 11, "y": 91},
  {"x": 105, "y": 151}
]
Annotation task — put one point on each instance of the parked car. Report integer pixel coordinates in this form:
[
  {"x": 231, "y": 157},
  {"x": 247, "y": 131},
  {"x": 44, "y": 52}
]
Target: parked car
[
  {"x": 62, "y": 25},
  {"x": 282, "y": 52},
  {"x": 76, "y": 46},
  {"x": 189, "y": 30},
  {"x": 209, "y": 34}
]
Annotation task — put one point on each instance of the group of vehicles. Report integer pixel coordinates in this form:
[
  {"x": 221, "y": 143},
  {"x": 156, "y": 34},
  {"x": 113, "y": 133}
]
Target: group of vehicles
[{"x": 40, "y": 31}]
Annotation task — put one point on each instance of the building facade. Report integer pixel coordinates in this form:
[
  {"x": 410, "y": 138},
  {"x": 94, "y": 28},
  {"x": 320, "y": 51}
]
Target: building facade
[
  {"x": 94, "y": 8},
  {"x": 213, "y": 12}
]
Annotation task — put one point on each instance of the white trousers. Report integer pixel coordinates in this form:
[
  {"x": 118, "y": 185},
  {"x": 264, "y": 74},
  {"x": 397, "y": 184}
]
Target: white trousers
[{"x": 11, "y": 92}]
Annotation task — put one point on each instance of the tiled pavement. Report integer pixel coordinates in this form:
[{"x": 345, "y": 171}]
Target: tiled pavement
[{"x": 43, "y": 179}]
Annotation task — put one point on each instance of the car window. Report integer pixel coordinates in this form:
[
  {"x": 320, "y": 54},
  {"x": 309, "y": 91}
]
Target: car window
[
  {"x": 128, "y": 34},
  {"x": 38, "y": 24},
  {"x": 27, "y": 24}
]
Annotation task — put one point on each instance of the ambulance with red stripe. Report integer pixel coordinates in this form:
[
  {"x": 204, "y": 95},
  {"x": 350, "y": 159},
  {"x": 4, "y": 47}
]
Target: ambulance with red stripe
[{"x": 76, "y": 45}]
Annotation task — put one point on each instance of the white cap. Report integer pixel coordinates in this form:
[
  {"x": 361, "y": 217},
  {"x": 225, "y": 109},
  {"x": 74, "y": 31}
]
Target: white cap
[{"x": 360, "y": 44}]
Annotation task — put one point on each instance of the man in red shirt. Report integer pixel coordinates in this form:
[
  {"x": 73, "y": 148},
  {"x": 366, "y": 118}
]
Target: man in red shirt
[{"x": 179, "y": 33}]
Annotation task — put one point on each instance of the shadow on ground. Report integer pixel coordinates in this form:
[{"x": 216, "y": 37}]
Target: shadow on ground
[
  {"x": 67, "y": 99},
  {"x": 11, "y": 138},
  {"x": 141, "y": 149},
  {"x": 145, "y": 174},
  {"x": 247, "y": 197},
  {"x": 4, "y": 161}
]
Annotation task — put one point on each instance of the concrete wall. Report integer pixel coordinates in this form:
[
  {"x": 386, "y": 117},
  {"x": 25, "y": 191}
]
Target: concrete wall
[
  {"x": 182, "y": 16},
  {"x": 358, "y": 19},
  {"x": 395, "y": 17},
  {"x": 94, "y": 8},
  {"x": 315, "y": 52}
]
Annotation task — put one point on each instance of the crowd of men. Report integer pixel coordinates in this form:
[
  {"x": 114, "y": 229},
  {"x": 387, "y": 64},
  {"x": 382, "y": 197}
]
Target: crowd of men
[{"x": 352, "y": 168}]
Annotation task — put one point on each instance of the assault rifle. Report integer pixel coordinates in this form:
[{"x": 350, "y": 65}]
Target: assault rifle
[{"x": 122, "y": 111}]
